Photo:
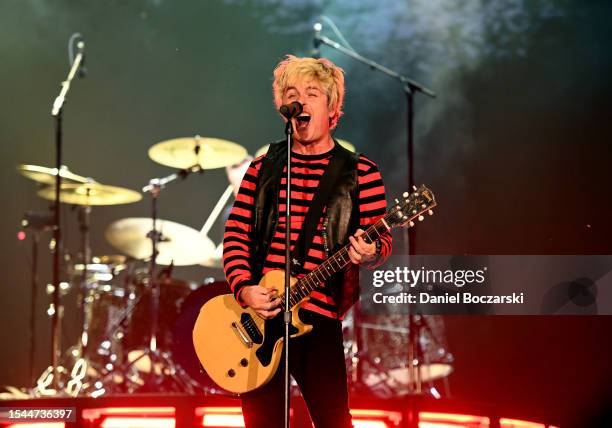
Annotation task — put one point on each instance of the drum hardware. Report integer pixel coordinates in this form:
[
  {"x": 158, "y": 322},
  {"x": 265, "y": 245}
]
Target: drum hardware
[
  {"x": 171, "y": 243},
  {"x": 82, "y": 193},
  {"x": 100, "y": 361},
  {"x": 376, "y": 349},
  {"x": 37, "y": 222},
  {"x": 169, "y": 372}
]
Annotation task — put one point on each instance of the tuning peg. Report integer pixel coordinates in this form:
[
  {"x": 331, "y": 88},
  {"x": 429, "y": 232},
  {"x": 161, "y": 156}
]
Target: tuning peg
[
  {"x": 405, "y": 194},
  {"x": 405, "y": 218},
  {"x": 411, "y": 224},
  {"x": 421, "y": 218},
  {"x": 414, "y": 211},
  {"x": 430, "y": 212},
  {"x": 414, "y": 187},
  {"x": 399, "y": 214},
  {"x": 396, "y": 201},
  {"x": 423, "y": 206}
]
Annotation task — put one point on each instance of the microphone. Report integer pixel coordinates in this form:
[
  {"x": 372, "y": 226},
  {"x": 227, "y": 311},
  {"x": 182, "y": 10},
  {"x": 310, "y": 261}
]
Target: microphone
[
  {"x": 316, "y": 40},
  {"x": 291, "y": 110}
]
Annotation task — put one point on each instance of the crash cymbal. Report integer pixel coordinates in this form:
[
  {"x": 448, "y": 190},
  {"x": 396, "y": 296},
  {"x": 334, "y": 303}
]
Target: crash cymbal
[
  {"x": 178, "y": 243},
  {"x": 46, "y": 175},
  {"x": 343, "y": 143},
  {"x": 215, "y": 259},
  {"x": 91, "y": 194},
  {"x": 184, "y": 153}
]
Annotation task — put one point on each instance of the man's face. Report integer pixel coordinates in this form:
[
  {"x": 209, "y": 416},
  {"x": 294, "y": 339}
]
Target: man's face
[{"x": 312, "y": 125}]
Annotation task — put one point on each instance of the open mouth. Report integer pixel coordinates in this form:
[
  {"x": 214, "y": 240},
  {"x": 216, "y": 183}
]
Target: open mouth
[{"x": 303, "y": 118}]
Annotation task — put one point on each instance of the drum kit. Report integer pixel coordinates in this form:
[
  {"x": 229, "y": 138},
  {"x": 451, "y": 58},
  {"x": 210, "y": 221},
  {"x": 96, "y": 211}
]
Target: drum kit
[{"x": 136, "y": 319}]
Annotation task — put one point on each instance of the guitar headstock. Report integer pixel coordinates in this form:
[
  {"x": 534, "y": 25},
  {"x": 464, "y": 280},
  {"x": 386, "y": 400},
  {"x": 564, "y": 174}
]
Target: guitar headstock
[{"x": 411, "y": 206}]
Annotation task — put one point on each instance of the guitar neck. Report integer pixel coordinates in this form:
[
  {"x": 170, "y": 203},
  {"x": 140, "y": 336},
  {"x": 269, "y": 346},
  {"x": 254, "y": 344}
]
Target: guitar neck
[{"x": 317, "y": 277}]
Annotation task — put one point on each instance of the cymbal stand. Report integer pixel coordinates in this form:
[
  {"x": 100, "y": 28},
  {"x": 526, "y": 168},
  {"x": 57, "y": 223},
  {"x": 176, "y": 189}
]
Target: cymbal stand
[
  {"x": 155, "y": 186},
  {"x": 84, "y": 215},
  {"x": 37, "y": 223}
]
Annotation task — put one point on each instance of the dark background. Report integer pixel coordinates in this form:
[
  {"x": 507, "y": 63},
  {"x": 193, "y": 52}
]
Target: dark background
[{"x": 516, "y": 146}]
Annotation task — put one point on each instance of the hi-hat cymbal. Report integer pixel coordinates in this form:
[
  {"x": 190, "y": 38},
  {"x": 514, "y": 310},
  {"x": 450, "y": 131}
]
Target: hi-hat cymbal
[
  {"x": 46, "y": 175},
  {"x": 343, "y": 143},
  {"x": 178, "y": 243},
  {"x": 209, "y": 153},
  {"x": 91, "y": 194}
]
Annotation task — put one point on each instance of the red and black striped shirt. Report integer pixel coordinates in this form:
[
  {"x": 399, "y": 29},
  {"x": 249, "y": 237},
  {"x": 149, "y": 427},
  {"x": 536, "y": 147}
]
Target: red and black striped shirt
[{"x": 306, "y": 172}]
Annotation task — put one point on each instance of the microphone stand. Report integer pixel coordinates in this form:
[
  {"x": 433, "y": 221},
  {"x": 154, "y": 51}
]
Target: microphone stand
[
  {"x": 287, "y": 311},
  {"x": 57, "y": 112},
  {"x": 410, "y": 87}
]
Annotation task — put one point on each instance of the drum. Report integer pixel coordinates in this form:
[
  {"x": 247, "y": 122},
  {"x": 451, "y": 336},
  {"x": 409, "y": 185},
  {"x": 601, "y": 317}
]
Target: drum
[
  {"x": 183, "y": 351},
  {"x": 107, "y": 302},
  {"x": 107, "y": 317},
  {"x": 376, "y": 347},
  {"x": 172, "y": 293}
]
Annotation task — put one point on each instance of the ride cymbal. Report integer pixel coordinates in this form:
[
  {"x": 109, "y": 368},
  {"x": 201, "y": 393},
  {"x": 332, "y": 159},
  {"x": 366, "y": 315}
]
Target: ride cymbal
[{"x": 209, "y": 153}]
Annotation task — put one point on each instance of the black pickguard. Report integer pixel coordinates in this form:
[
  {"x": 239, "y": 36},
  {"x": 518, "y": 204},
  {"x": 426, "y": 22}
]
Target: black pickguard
[{"x": 274, "y": 329}]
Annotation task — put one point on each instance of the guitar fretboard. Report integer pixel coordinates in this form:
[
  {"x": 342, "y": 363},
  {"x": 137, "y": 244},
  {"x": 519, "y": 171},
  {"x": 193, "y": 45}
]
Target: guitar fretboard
[{"x": 317, "y": 277}]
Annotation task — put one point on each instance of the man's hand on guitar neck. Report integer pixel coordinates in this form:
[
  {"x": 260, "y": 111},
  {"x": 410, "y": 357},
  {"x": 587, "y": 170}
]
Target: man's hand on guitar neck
[
  {"x": 360, "y": 251},
  {"x": 262, "y": 300}
]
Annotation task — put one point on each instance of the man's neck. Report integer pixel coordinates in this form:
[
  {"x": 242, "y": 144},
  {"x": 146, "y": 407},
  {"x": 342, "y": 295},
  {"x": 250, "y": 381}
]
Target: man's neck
[{"x": 314, "y": 148}]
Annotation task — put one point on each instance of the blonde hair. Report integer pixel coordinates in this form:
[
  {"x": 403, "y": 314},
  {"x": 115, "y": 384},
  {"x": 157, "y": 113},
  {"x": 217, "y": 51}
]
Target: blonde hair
[{"x": 329, "y": 75}]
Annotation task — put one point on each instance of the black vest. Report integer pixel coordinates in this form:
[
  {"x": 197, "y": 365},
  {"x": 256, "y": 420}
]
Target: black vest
[{"x": 341, "y": 217}]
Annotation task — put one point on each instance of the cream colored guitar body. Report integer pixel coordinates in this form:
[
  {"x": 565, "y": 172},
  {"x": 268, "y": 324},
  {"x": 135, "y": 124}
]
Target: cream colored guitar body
[{"x": 238, "y": 349}]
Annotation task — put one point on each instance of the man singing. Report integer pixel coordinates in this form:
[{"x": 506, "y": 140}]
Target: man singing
[{"x": 254, "y": 240}]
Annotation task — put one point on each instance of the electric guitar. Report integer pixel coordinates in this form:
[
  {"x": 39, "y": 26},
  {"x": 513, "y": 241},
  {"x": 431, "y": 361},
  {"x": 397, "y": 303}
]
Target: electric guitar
[{"x": 240, "y": 350}]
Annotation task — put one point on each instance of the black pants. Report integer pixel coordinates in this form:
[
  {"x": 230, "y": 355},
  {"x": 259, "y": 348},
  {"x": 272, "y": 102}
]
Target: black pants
[{"x": 316, "y": 362}]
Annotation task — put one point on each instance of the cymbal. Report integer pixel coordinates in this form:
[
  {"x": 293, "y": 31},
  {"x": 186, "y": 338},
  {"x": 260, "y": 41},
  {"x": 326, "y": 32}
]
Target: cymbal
[
  {"x": 343, "y": 143},
  {"x": 213, "y": 152},
  {"x": 46, "y": 175},
  {"x": 347, "y": 145},
  {"x": 215, "y": 259},
  {"x": 178, "y": 243},
  {"x": 91, "y": 194}
]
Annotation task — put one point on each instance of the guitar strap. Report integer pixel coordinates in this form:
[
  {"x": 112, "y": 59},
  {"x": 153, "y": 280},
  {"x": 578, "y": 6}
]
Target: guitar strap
[{"x": 319, "y": 200}]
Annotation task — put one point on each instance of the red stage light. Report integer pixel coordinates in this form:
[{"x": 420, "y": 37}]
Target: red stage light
[
  {"x": 137, "y": 422},
  {"x": 371, "y": 418},
  {"x": 37, "y": 425},
  {"x": 130, "y": 417},
  {"x": 220, "y": 417},
  {"x": 451, "y": 420},
  {"x": 515, "y": 423}
]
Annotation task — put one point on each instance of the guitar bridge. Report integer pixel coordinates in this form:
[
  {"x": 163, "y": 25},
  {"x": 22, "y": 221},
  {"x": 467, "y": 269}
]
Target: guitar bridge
[{"x": 242, "y": 335}]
